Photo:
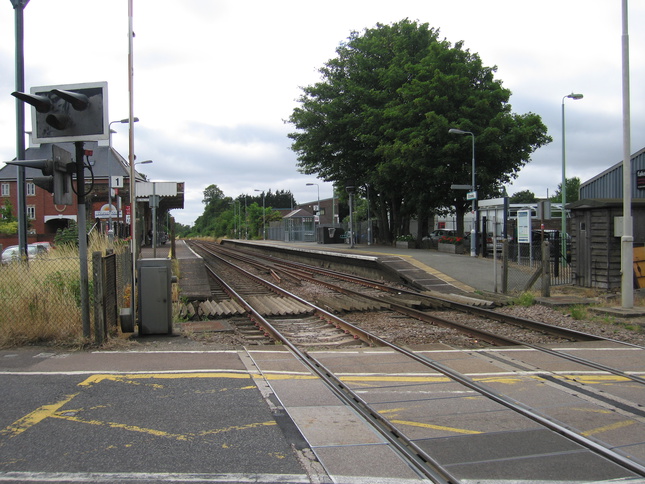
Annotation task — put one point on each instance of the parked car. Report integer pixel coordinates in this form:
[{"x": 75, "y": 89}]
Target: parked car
[
  {"x": 12, "y": 253},
  {"x": 499, "y": 240},
  {"x": 43, "y": 246}
]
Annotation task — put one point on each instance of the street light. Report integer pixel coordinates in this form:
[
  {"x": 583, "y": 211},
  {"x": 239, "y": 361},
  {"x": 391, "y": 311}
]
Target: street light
[
  {"x": 563, "y": 191},
  {"x": 318, "y": 210},
  {"x": 263, "y": 215},
  {"x": 110, "y": 226},
  {"x": 473, "y": 232}
]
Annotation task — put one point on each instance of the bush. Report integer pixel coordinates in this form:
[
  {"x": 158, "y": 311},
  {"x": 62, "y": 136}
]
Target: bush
[{"x": 405, "y": 238}]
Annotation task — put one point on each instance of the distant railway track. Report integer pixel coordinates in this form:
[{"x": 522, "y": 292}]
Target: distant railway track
[
  {"x": 317, "y": 321},
  {"x": 411, "y": 303}
]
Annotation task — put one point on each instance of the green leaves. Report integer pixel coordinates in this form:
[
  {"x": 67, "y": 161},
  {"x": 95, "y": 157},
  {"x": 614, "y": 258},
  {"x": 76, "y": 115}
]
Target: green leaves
[{"x": 381, "y": 113}]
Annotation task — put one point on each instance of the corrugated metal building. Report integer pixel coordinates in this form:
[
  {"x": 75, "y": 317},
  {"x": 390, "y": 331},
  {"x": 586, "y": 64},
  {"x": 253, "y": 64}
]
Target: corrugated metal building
[{"x": 609, "y": 183}]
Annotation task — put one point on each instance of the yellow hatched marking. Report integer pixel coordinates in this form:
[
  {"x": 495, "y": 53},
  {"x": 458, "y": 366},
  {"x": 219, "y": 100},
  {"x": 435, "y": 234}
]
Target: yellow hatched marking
[
  {"x": 35, "y": 417},
  {"x": 161, "y": 433},
  {"x": 607, "y": 428},
  {"x": 436, "y": 427},
  {"x": 116, "y": 425}
]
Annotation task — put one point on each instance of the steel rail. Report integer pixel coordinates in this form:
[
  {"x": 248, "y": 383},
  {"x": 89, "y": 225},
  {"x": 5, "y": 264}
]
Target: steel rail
[
  {"x": 481, "y": 312},
  {"x": 499, "y": 340},
  {"x": 389, "y": 430},
  {"x": 417, "y": 457}
]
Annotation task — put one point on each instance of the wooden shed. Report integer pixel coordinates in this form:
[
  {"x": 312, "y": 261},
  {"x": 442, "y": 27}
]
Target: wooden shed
[{"x": 596, "y": 249}]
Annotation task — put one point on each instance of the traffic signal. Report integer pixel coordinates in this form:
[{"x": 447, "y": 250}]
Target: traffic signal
[
  {"x": 57, "y": 174},
  {"x": 69, "y": 112}
]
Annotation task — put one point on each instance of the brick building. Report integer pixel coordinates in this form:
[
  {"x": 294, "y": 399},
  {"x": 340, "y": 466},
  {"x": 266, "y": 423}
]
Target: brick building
[{"x": 45, "y": 218}]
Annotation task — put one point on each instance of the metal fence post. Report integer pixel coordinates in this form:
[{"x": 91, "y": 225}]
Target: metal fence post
[
  {"x": 505, "y": 266},
  {"x": 546, "y": 269},
  {"x": 99, "y": 310}
]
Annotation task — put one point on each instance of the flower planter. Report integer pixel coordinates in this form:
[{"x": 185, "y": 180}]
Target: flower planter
[
  {"x": 451, "y": 248},
  {"x": 404, "y": 245}
]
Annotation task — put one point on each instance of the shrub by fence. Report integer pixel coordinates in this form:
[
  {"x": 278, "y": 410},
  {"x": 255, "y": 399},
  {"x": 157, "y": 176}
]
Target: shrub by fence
[{"x": 40, "y": 299}]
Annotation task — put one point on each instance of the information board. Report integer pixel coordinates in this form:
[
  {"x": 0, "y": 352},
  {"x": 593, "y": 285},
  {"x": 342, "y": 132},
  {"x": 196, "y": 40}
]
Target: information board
[{"x": 524, "y": 226}]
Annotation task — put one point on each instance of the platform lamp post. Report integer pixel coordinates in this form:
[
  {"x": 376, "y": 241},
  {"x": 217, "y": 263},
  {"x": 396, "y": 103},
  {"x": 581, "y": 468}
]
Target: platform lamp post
[
  {"x": 110, "y": 131},
  {"x": 563, "y": 191},
  {"x": 473, "y": 232},
  {"x": 263, "y": 215},
  {"x": 318, "y": 210}
]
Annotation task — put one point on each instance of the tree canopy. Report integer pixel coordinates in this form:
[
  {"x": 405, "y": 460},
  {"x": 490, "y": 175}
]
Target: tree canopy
[
  {"x": 244, "y": 216},
  {"x": 380, "y": 116},
  {"x": 524, "y": 196},
  {"x": 573, "y": 187}
]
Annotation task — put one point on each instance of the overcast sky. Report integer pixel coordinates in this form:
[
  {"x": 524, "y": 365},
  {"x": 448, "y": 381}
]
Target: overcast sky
[{"x": 215, "y": 79}]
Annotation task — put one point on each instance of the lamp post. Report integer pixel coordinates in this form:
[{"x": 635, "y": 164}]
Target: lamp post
[
  {"x": 263, "y": 215},
  {"x": 563, "y": 191},
  {"x": 318, "y": 210},
  {"x": 110, "y": 225},
  {"x": 473, "y": 232},
  {"x": 627, "y": 238}
]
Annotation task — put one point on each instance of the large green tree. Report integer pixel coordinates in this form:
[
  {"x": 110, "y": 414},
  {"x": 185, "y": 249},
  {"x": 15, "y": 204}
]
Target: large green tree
[
  {"x": 380, "y": 116},
  {"x": 573, "y": 187}
]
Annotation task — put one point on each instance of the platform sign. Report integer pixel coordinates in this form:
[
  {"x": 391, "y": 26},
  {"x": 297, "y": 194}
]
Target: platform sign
[
  {"x": 117, "y": 181},
  {"x": 524, "y": 226}
]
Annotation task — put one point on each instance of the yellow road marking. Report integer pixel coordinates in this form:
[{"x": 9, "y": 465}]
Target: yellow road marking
[
  {"x": 161, "y": 433},
  {"x": 436, "y": 427},
  {"x": 35, "y": 417},
  {"x": 167, "y": 376},
  {"x": 607, "y": 428}
]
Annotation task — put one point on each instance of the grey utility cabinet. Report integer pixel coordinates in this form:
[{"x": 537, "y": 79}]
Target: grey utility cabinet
[{"x": 155, "y": 296}]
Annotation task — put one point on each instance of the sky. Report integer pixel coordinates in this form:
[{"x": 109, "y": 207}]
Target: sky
[{"x": 215, "y": 80}]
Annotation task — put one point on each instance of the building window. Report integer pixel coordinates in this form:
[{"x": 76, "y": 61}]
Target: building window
[
  {"x": 321, "y": 211},
  {"x": 31, "y": 189},
  {"x": 31, "y": 212},
  {"x": 4, "y": 191}
]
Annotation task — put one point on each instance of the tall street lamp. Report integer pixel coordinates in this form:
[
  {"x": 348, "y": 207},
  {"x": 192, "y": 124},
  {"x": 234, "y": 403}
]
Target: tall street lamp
[
  {"x": 110, "y": 225},
  {"x": 263, "y": 215},
  {"x": 563, "y": 236},
  {"x": 473, "y": 232},
  {"x": 318, "y": 209}
]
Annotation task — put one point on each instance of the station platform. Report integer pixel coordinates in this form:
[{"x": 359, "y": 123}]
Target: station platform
[
  {"x": 193, "y": 280},
  {"x": 429, "y": 270}
]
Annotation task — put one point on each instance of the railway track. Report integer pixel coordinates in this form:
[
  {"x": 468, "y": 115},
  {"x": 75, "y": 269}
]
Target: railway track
[
  {"x": 303, "y": 337},
  {"x": 563, "y": 438}
]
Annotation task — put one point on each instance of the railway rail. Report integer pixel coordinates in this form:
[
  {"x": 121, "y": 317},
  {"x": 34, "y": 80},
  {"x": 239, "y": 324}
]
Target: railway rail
[{"x": 566, "y": 437}]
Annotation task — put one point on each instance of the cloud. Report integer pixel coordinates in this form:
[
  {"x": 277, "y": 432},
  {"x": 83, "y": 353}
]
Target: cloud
[{"x": 214, "y": 80}]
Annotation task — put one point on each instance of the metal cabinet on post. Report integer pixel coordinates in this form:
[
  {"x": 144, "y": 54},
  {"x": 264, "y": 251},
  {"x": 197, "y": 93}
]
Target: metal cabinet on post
[{"x": 155, "y": 296}]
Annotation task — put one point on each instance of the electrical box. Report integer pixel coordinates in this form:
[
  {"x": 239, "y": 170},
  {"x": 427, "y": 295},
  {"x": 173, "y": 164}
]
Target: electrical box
[{"x": 155, "y": 296}]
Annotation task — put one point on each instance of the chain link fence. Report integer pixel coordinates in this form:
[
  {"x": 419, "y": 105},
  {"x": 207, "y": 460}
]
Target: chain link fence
[{"x": 40, "y": 299}]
